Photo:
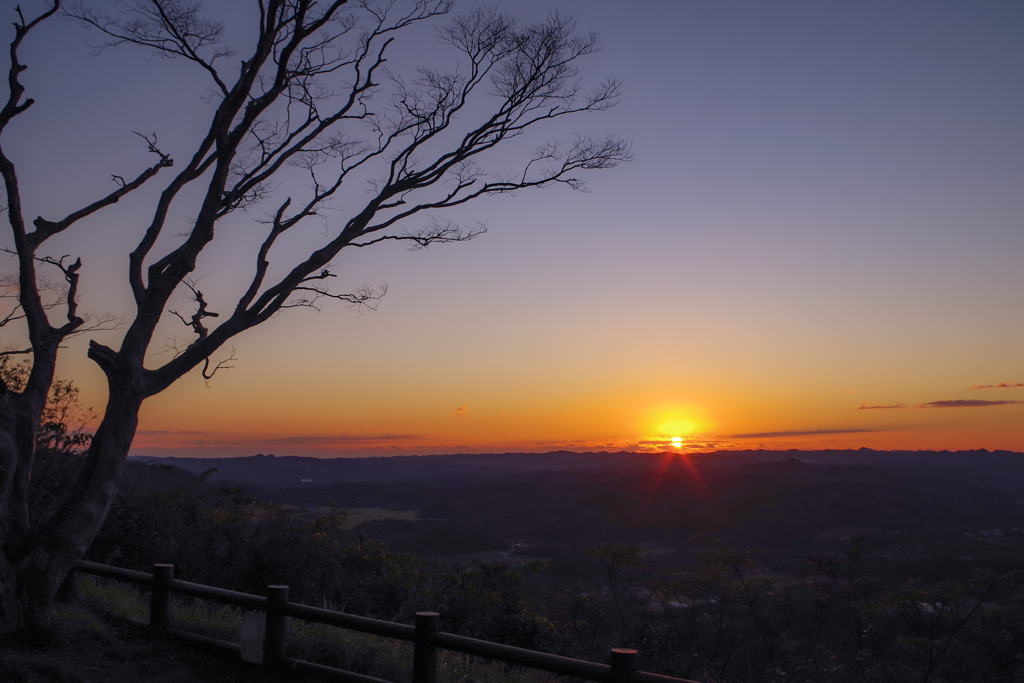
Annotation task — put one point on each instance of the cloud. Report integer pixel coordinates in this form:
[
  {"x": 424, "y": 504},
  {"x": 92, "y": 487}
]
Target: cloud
[
  {"x": 188, "y": 441},
  {"x": 1001, "y": 385},
  {"x": 339, "y": 438},
  {"x": 969, "y": 403},
  {"x": 460, "y": 411},
  {"x": 816, "y": 432},
  {"x": 150, "y": 432},
  {"x": 865, "y": 406}
]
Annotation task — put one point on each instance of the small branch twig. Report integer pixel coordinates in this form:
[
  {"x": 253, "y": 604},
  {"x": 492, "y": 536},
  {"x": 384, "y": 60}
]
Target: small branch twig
[
  {"x": 196, "y": 323},
  {"x": 71, "y": 275},
  {"x": 208, "y": 373}
]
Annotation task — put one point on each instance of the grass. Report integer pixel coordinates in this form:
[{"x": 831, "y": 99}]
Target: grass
[
  {"x": 319, "y": 643},
  {"x": 119, "y": 598},
  {"x": 80, "y": 645}
]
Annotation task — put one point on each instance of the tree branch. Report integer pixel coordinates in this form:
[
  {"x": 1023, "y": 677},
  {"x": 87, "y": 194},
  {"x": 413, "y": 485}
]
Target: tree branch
[
  {"x": 436, "y": 231},
  {"x": 14, "y": 105},
  {"x": 196, "y": 321},
  {"x": 364, "y": 298},
  {"x": 209, "y": 372},
  {"x": 46, "y": 229},
  {"x": 172, "y": 28},
  {"x": 279, "y": 114}
]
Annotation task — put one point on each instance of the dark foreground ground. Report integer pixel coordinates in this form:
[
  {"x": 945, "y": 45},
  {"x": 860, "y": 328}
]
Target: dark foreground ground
[{"x": 83, "y": 647}]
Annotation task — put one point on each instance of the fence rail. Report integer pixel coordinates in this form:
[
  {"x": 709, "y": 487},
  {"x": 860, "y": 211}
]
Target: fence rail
[{"x": 425, "y": 635}]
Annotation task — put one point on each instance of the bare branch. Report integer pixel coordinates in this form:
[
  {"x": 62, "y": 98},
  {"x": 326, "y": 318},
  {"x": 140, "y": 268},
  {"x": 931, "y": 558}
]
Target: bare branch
[
  {"x": 10, "y": 291},
  {"x": 99, "y": 322},
  {"x": 209, "y": 372},
  {"x": 46, "y": 229},
  {"x": 60, "y": 295},
  {"x": 536, "y": 82},
  {"x": 196, "y": 321},
  {"x": 436, "y": 231},
  {"x": 151, "y": 141},
  {"x": 171, "y": 28},
  {"x": 71, "y": 275},
  {"x": 365, "y": 298},
  {"x": 14, "y": 105}
]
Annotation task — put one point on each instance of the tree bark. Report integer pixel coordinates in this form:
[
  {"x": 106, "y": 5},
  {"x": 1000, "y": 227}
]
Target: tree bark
[{"x": 37, "y": 554}]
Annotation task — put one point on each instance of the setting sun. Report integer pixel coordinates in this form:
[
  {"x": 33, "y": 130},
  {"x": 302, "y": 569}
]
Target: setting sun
[{"x": 677, "y": 441}]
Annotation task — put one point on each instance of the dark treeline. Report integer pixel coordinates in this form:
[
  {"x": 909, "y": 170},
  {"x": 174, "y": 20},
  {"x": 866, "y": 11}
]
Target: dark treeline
[{"x": 719, "y": 615}]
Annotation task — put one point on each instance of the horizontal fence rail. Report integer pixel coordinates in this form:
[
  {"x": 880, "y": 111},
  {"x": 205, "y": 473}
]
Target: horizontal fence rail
[
  {"x": 425, "y": 635},
  {"x": 386, "y": 629}
]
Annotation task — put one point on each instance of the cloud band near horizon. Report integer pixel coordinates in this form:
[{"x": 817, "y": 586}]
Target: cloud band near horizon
[
  {"x": 816, "y": 432},
  {"x": 966, "y": 403}
]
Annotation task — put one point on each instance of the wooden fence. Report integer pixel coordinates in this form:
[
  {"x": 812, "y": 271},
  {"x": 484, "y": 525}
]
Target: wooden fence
[{"x": 425, "y": 635}]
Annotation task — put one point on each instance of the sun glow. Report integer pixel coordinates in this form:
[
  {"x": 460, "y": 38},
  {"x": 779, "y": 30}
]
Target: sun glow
[
  {"x": 677, "y": 441},
  {"x": 678, "y": 428},
  {"x": 675, "y": 419}
]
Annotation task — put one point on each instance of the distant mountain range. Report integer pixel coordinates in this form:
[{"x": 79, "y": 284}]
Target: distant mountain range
[
  {"x": 295, "y": 471},
  {"x": 924, "y": 512}
]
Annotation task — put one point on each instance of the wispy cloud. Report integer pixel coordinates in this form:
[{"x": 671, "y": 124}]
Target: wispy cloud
[
  {"x": 1001, "y": 385},
  {"x": 460, "y": 411},
  {"x": 816, "y": 432},
  {"x": 341, "y": 439},
  {"x": 188, "y": 441},
  {"x": 865, "y": 406},
  {"x": 150, "y": 432},
  {"x": 966, "y": 403},
  {"x": 652, "y": 443}
]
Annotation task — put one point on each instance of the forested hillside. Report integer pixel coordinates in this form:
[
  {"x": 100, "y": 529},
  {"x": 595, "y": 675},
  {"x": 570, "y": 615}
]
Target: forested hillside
[{"x": 758, "y": 568}]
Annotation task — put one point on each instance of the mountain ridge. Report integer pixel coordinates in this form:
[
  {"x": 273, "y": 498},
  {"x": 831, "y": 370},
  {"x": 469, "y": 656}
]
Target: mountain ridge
[{"x": 291, "y": 470}]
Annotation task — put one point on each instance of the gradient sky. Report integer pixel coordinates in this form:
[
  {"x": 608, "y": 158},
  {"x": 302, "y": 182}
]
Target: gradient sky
[{"x": 818, "y": 245}]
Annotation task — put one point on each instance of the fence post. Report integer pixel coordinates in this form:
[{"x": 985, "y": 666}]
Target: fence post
[
  {"x": 424, "y": 655},
  {"x": 159, "y": 598},
  {"x": 623, "y": 664},
  {"x": 68, "y": 590},
  {"x": 277, "y": 625}
]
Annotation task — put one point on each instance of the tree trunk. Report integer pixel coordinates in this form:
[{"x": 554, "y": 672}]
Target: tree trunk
[
  {"x": 36, "y": 558},
  {"x": 14, "y": 422},
  {"x": 25, "y": 596}
]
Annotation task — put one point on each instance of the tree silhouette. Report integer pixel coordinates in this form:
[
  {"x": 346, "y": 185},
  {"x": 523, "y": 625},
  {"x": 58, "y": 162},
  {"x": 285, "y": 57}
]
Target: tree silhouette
[{"x": 310, "y": 95}]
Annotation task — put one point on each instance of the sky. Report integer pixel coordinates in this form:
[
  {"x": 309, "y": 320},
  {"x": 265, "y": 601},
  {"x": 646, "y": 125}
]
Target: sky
[{"x": 817, "y": 245}]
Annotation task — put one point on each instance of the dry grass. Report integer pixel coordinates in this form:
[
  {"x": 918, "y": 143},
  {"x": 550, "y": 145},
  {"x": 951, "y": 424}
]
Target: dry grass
[
  {"x": 340, "y": 648},
  {"x": 83, "y": 646}
]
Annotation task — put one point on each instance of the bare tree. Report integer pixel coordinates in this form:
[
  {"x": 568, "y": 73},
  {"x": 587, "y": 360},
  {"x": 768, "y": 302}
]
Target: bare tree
[{"x": 311, "y": 95}]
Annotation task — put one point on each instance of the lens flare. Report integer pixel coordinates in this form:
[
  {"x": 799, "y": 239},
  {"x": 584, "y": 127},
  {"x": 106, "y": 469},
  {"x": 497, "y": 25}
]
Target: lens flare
[{"x": 659, "y": 475}]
